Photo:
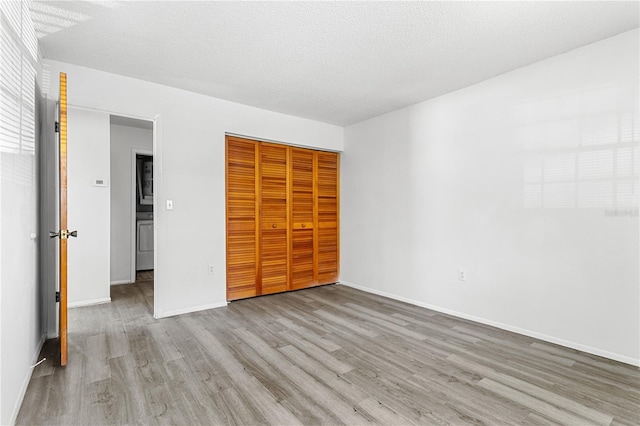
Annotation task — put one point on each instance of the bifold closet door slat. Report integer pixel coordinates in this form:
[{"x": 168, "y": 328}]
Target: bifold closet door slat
[
  {"x": 328, "y": 203},
  {"x": 242, "y": 210},
  {"x": 273, "y": 263},
  {"x": 302, "y": 201}
]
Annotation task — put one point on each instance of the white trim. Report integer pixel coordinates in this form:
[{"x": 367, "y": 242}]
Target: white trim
[
  {"x": 109, "y": 112},
  {"x": 193, "y": 309},
  {"x": 525, "y": 332},
  {"x": 89, "y": 303},
  {"x": 295, "y": 145},
  {"x": 118, "y": 282},
  {"x": 25, "y": 383},
  {"x": 158, "y": 294}
]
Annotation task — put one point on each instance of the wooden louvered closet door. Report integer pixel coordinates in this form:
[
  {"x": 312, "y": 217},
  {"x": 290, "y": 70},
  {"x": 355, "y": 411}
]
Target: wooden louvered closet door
[
  {"x": 242, "y": 210},
  {"x": 282, "y": 218},
  {"x": 274, "y": 218},
  {"x": 302, "y": 218},
  {"x": 327, "y": 208}
]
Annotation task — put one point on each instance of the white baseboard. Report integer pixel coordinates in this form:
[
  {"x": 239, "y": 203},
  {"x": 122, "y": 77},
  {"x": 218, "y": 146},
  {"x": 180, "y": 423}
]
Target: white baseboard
[
  {"x": 89, "y": 303},
  {"x": 118, "y": 282},
  {"x": 192, "y": 309},
  {"x": 25, "y": 383},
  {"x": 514, "y": 329}
]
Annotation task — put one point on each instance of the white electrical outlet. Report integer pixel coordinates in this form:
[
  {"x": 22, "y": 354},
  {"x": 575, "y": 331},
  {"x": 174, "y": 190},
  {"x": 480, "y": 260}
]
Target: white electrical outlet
[
  {"x": 462, "y": 275},
  {"x": 212, "y": 270}
]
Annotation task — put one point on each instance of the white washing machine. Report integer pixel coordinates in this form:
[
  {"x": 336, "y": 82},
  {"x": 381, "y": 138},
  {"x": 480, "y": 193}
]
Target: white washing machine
[{"x": 144, "y": 245}]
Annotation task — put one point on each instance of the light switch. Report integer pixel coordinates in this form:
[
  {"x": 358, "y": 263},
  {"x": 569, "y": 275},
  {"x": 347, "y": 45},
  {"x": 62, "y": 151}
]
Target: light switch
[{"x": 169, "y": 204}]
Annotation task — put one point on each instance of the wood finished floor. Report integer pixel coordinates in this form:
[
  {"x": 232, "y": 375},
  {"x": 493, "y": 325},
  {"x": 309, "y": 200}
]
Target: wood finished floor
[{"x": 328, "y": 355}]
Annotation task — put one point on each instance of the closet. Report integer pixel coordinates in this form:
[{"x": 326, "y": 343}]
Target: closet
[{"x": 282, "y": 206}]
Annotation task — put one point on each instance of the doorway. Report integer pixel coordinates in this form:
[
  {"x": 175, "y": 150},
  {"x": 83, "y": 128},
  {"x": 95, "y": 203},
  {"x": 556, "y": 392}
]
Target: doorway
[
  {"x": 142, "y": 202},
  {"x": 132, "y": 201}
]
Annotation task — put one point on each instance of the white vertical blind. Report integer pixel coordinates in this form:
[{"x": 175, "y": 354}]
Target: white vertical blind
[
  {"x": 12, "y": 12},
  {"x": 10, "y": 88},
  {"x": 18, "y": 53},
  {"x": 28, "y": 31}
]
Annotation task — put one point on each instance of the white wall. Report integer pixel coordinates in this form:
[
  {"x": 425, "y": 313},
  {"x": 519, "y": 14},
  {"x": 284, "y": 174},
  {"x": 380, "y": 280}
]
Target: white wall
[
  {"x": 20, "y": 321},
  {"x": 189, "y": 167},
  {"x": 513, "y": 180},
  {"x": 123, "y": 140},
  {"x": 21, "y": 328},
  {"x": 88, "y": 206}
]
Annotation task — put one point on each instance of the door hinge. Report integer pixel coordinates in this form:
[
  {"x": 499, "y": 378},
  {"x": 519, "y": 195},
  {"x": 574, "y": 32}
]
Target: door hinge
[
  {"x": 57, "y": 127},
  {"x": 57, "y": 296}
]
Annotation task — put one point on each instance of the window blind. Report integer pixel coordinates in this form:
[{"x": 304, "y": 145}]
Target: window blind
[{"x": 18, "y": 54}]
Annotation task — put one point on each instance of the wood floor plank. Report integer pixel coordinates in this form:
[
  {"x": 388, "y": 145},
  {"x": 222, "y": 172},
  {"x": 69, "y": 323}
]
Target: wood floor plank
[
  {"x": 117, "y": 342},
  {"x": 467, "y": 398},
  {"x": 419, "y": 408},
  {"x": 261, "y": 370},
  {"x": 40, "y": 389},
  {"x": 302, "y": 380},
  {"x": 103, "y": 403},
  {"x": 342, "y": 322},
  {"x": 316, "y": 352},
  {"x": 261, "y": 399},
  {"x": 383, "y": 414},
  {"x": 428, "y": 327},
  {"x": 508, "y": 345},
  {"x": 97, "y": 363},
  {"x": 308, "y": 412},
  {"x": 535, "y": 391},
  {"x": 128, "y": 387},
  {"x": 534, "y": 419},
  {"x": 309, "y": 335},
  {"x": 323, "y": 375},
  {"x": 326, "y": 355},
  {"x": 193, "y": 390},
  {"x": 234, "y": 406},
  {"x": 65, "y": 400},
  {"x": 541, "y": 407},
  {"x": 382, "y": 325},
  {"x": 165, "y": 344},
  {"x": 373, "y": 313}
]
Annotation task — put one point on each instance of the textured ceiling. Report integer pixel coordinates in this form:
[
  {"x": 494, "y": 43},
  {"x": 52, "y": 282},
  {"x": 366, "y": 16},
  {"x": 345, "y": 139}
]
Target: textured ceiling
[{"x": 336, "y": 62}]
